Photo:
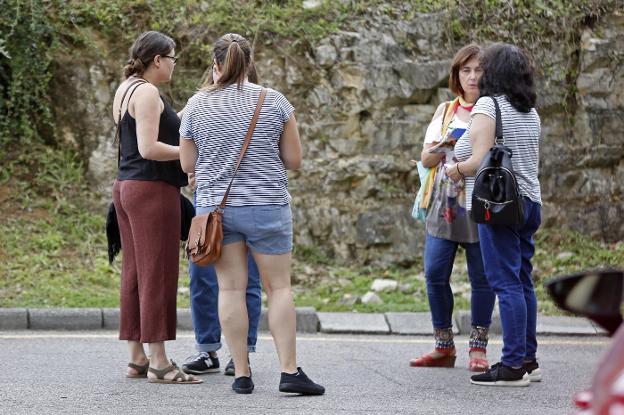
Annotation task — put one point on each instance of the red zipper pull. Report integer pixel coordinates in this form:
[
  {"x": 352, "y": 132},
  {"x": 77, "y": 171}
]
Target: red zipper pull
[{"x": 487, "y": 211}]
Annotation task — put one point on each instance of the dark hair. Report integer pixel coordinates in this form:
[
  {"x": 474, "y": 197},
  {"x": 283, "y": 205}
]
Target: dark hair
[
  {"x": 234, "y": 56},
  {"x": 462, "y": 56},
  {"x": 143, "y": 50},
  {"x": 508, "y": 70}
]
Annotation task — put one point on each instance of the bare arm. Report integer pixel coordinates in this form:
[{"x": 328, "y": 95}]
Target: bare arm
[
  {"x": 482, "y": 139},
  {"x": 290, "y": 145},
  {"x": 432, "y": 159},
  {"x": 188, "y": 155},
  {"x": 147, "y": 109}
]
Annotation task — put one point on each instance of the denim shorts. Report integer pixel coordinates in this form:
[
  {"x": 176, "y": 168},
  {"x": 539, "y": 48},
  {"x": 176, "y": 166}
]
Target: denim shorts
[{"x": 266, "y": 229}]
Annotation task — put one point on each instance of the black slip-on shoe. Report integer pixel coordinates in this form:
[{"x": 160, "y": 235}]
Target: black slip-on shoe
[
  {"x": 201, "y": 363},
  {"x": 243, "y": 385},
  {"x": 533, "y": 370},
  {"x": 300, "y": 383},
  {"x": 501, "y": 375}
]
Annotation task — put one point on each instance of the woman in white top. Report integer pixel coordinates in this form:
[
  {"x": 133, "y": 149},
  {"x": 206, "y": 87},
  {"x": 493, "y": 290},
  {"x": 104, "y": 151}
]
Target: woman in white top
[
  {"x": 257, "y": 216},
  {"x": 507, "y": 250},
  {"x": 448, "y": 225}
]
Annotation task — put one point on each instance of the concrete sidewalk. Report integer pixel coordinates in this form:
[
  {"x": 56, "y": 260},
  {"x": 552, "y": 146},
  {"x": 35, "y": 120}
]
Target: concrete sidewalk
[{"x": 308, "y": 321}]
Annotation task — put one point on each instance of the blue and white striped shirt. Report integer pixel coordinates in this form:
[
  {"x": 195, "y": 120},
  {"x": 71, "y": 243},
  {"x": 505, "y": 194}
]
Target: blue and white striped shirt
[
  {"x": 217, "y": 122},
  {"x": 521, "y": 132}
]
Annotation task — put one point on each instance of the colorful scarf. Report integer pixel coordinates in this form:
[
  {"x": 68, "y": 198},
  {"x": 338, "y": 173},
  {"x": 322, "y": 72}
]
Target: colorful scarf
[{"x": 449, "y": 113}]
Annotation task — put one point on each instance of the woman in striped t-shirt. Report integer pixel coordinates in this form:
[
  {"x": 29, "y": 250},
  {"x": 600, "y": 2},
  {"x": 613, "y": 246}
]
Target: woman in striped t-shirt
[
  {"x": 257, "y": 216},
  {"x": 507, "y": 250}
]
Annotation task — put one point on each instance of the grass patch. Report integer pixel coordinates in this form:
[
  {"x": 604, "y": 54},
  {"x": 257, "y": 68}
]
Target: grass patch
[
  {"x": 333, "y": 288},
  {"x": 53, "y": 251}
]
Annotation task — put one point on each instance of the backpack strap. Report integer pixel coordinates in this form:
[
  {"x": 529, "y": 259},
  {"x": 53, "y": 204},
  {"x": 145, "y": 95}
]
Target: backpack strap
[{"x": 499, "y": 123}]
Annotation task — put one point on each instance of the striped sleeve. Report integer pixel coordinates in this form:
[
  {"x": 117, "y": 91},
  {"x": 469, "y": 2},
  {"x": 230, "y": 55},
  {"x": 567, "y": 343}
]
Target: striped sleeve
[
  {"x": 484, "y": 105},
  {"x": 284, "y": 108},
  {"x": 186, "y": 124}
]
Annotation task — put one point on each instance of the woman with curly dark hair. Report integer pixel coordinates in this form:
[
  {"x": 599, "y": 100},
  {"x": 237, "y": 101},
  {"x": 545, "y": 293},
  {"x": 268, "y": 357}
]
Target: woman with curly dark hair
[{"x": 507, "y": 250}]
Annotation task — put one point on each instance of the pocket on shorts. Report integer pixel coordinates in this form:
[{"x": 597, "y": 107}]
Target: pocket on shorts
[{"x": 271, "y": 219}]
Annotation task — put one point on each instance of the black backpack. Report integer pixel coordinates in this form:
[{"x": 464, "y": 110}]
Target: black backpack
[{"x": 496, "y": 199}]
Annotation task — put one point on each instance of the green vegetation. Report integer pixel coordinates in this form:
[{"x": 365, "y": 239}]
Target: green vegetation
[
  {"x": 323, "y": 285},
  {"x": 33, "y": 34},
  {"x": 52, "y": 241},
  {"x": 53, "y": 251}
]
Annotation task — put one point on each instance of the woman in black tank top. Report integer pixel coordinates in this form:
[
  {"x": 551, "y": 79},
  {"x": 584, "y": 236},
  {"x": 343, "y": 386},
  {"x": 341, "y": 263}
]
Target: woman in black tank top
[{"x": 146, "y": 195}]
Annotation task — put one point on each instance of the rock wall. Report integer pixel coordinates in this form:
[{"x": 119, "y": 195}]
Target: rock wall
[{"x": 363, "y": 101}]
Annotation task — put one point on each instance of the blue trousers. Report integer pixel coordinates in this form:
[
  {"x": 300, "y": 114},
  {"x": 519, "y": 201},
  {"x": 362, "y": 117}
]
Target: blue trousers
[
  {"x": 205, "y": 306},
  {"x": 439, "y": 259},
  {"x": 507, "y": 253}
]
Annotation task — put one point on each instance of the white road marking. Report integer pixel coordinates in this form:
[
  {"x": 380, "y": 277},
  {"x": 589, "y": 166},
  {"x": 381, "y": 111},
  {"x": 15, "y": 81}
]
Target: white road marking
[{"x": 391, "y": 339}]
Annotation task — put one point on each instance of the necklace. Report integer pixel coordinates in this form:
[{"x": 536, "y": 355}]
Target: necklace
[{"x": 465, "y": 104}]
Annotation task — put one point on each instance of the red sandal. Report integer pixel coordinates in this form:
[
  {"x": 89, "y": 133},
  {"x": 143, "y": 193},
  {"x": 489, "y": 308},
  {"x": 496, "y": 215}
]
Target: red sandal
[
  {"x": 446, "y": 359},
  {"x": 478, "y": 364}
]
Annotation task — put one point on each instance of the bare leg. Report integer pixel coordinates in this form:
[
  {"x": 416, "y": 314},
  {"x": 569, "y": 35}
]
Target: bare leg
[
  {"x": 275, "y": 274},
  {"x": 137, "y": 356},
  {"x": 232, "y": 277}
]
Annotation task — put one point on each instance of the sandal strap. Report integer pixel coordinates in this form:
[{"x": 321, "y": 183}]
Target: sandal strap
[
  {"x": 141, "y": 369},
  {"x": 179, "y": 376},
  {"x": 160, "y": 373}
]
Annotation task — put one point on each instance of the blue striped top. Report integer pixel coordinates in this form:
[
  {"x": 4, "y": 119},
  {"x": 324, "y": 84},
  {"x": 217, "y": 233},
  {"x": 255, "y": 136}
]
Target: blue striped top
[{"x": 217, "y": 122}]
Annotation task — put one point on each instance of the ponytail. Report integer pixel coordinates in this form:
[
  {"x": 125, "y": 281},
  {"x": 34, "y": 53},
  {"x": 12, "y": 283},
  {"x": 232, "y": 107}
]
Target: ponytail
[{"x": 233, "y": 54}]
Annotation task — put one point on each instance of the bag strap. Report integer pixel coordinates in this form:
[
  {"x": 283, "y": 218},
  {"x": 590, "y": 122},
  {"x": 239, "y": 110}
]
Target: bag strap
[
  {"x": 499, "y": 123},
  {"x": 137, "y": 82},
  {"x": 252, "y": 127}
]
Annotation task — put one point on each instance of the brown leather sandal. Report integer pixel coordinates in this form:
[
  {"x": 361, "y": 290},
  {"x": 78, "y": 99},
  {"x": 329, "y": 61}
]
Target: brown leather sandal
[
  {"x": 180, "y": 377},
  {"x": 141, "y": 370}
]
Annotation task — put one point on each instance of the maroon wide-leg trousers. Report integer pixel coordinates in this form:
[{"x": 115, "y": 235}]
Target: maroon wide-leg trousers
[{"x": 148, "y": 213}]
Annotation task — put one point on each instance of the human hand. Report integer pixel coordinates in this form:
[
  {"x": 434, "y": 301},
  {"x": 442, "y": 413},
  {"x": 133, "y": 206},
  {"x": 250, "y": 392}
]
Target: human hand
[
  {"x": 191, "y": 180},
  {"x": 452, "y": 172}
]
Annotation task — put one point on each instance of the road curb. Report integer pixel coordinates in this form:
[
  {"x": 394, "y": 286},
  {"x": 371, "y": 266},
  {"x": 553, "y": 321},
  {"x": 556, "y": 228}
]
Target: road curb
[
  {"x": 308, "y": 321},
  {"x": 64, "y": 318},
  {"x": 13, "y": 318}
]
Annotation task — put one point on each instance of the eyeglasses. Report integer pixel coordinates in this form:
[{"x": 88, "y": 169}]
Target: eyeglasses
[{"x": 174, "y": 58}]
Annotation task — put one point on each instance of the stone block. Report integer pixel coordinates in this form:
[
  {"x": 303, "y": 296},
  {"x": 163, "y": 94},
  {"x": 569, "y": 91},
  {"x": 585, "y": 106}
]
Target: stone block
[
  {"x": 185, "y": 321},
  {"x": 307, "y": 320},
  {"x": 65, "y": 318},
  {"x": 560, "y": 325},
  {"x": 110, "y": 318},
  {"x": 411, "y": 323},
  {"x": 369, "y": 323},
  {"x": 13, "y": 319},
  {"x": 463, "y": 322}
]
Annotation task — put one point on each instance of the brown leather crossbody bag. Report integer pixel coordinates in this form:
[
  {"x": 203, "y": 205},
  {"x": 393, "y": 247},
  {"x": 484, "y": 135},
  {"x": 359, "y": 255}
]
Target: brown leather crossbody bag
[{"x": 206, "y": 234}]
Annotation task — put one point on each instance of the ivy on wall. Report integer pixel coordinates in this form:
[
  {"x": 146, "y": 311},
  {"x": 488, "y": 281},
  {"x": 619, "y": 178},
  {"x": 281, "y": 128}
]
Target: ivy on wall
[{"x": 32, "y": 33}]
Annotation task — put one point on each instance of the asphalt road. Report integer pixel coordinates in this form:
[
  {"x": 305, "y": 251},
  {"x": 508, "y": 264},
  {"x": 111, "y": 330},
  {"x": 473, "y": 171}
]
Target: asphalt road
[{"x": 83, "y": 373}]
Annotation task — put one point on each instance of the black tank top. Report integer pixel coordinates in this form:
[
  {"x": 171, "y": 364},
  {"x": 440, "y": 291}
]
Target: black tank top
[{"x": 134, "y": 167}]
